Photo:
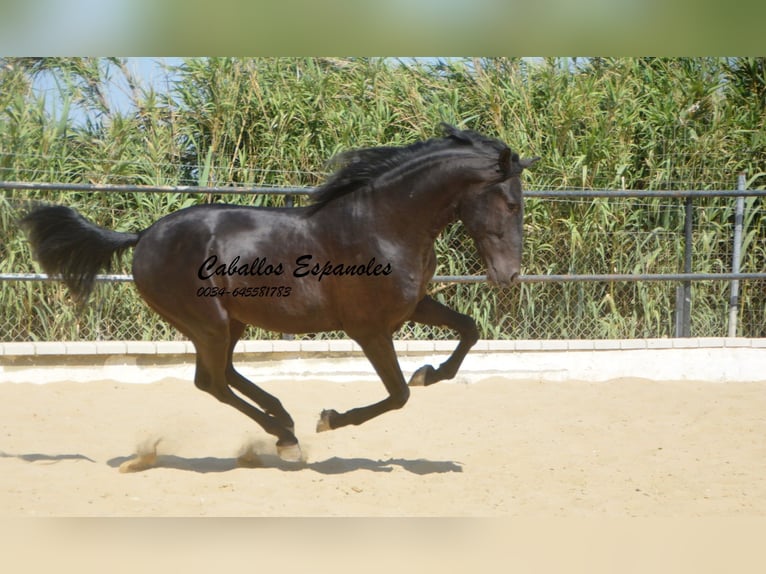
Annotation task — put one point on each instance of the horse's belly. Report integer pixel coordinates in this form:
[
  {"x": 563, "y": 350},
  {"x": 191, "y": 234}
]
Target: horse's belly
[
  {"x": 349, "y": 304},
  {"x": 283, "y": 316}
]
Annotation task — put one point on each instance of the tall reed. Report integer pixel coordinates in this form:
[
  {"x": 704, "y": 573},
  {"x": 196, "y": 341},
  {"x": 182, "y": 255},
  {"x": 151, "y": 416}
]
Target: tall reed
[{"x": 599, "y": 123}]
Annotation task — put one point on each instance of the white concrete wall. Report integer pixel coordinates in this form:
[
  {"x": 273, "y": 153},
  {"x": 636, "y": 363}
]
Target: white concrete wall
[{"x": 716, "y": 360}]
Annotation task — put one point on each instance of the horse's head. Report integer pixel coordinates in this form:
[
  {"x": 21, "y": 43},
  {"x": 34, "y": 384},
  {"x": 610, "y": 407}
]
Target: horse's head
[{"x": 494, "y": 218}]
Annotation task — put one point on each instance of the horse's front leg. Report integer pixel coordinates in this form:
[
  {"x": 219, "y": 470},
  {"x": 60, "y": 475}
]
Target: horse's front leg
[
  {"x": 431, "y": 312},
  {"x": 379, "y": 349}
]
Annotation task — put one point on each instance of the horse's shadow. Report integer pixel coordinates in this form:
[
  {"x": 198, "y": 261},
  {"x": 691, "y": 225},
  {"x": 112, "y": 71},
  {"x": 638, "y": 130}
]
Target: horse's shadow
[
  {"x": 45, "y": 458},
  {"x": 205, "y": 465},
  {"x": 334, "y": 465}
]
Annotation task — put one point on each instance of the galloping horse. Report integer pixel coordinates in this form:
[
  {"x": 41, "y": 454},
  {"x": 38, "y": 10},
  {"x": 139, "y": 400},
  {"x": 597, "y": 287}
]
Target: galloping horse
[{"x": 358, "y": 259}]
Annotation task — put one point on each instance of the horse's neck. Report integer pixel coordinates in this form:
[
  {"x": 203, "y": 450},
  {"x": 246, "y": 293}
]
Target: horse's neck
[
  {"x": 411, "y": 216},
  {"x": 410, "y": 206},
  {"x": 427, "y": 205}
]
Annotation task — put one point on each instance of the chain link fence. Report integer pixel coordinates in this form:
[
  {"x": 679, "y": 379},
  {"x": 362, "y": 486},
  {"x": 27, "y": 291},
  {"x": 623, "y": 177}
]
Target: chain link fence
[{"x": 563, "y": 236}]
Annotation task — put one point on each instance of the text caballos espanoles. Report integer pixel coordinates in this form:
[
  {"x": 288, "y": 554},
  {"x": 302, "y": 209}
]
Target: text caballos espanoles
[{"x": 304, "y": 267}]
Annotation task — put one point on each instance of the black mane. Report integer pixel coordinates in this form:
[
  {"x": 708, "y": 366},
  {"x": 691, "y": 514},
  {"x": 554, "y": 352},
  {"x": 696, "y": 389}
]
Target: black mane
[{"x": 362, "y": 166}]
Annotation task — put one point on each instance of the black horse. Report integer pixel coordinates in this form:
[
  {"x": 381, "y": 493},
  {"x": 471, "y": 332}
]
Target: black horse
[{"x": 358, "y": 259}]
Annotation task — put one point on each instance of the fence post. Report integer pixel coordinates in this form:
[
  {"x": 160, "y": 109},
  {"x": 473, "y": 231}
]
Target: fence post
[
  {"x": 679, "y": 316},
  {"x": 736, "y": 256},
  {"x": 289, "y": 202},
  {"x": 684, "y": 292}
]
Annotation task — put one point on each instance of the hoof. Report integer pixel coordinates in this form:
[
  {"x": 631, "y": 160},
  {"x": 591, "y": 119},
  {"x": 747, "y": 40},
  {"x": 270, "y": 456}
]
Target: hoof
[
  {"x": 145, "y": 459},
  {"x": 324, "y": 420},
  {"x": 422, "y": 376},
  {"x": 139, "y": 463},
  {"x": 290, "y": 453}
]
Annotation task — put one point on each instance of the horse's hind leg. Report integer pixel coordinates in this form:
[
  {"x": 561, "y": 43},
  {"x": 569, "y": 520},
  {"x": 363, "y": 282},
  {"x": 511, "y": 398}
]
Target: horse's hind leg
[
  {"x": 214, "y": 334},
  {"x": 431, "y": 312},
  {"x": 212, "y": 376},
  {"x": 267, "y": 402}
]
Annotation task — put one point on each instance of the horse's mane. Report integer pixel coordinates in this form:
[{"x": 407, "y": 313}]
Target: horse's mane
[{"x": 360, "y": 167}]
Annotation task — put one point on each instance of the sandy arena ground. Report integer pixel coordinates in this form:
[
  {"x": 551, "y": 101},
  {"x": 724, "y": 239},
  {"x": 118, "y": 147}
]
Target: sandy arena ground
[{"x": 490, "y": 448}]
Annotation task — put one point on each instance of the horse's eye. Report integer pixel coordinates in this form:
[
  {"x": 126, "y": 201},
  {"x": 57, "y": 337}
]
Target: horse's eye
[{"x": 512, "y": 206}]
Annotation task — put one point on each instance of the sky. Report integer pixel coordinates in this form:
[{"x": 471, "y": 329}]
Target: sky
[
  {"x": 151, "y": 72},
  {"x": 148, "y": 71}
]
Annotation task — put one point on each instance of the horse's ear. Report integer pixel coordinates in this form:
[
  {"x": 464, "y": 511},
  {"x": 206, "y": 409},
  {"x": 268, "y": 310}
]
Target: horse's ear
[
  {"x": 453, "y": 132},
  {"x": 506, "y": 157},
  {"x": 528, "y": 162}
]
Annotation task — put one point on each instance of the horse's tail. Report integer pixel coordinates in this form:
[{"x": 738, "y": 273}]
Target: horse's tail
[{"x": 67, "y": 244}]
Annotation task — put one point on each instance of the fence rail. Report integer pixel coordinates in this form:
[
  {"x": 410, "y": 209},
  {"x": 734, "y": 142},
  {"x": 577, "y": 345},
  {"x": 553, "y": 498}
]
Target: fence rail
[
  {"x": 684, "y": 279},
  {"x": 585, "y": 277},
  {"x": 307, "y": 191}
]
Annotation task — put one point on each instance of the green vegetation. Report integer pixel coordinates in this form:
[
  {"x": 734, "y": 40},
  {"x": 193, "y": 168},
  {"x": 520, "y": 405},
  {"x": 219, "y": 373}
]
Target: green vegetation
[{"x": 692, "y": 123}]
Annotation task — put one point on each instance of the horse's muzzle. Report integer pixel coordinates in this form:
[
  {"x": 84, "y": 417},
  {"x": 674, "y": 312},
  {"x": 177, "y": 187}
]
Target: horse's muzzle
[{"x": 503, "y": 281}]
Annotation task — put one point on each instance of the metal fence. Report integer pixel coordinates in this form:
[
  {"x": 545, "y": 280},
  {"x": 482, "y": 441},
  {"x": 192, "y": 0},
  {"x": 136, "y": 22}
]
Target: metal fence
[{"x": 663, "y": 296}]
